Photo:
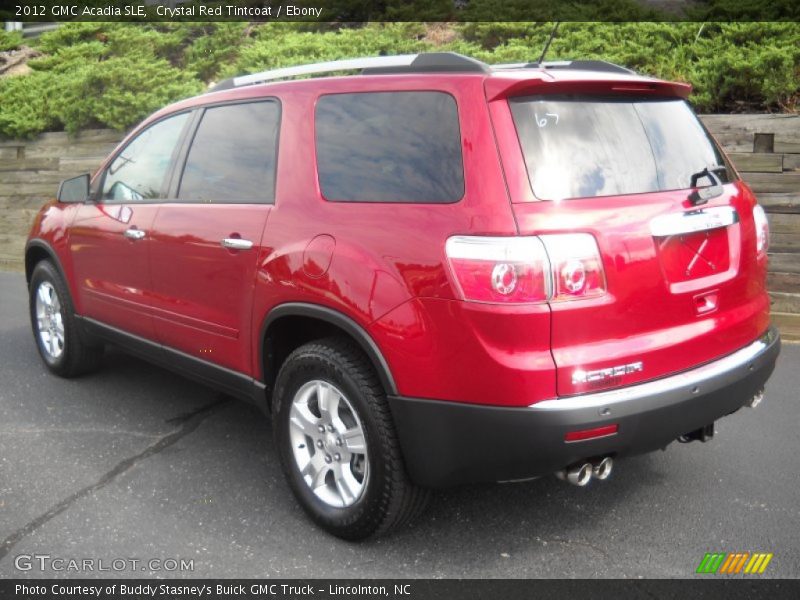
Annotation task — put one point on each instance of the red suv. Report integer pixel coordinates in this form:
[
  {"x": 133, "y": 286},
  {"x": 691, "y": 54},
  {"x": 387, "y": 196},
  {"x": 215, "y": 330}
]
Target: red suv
[{"x": 432, "y": 272}]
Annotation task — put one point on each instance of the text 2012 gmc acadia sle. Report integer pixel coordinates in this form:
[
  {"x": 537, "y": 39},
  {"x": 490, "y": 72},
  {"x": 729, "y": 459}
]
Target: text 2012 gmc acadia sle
[{"x": 431, "y": 272}]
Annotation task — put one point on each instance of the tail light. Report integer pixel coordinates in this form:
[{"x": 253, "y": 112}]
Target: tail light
[
  {"x": 762, "y": 231},
  {"x": 506, "y": 270},
  {"x": 576, "y": 266},
  {"x": 526, "y": 269}
]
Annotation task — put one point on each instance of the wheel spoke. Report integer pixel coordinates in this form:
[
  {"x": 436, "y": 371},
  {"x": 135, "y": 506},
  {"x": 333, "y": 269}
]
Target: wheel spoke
[
  {"x": 59, "y": 326},
  {"x": 53, "y": 345},
  {"x": 304, "y": 420},
  {"x": 354, "y": 440},
  {"x": 315, "y": 471},
  {"x": 347, "y": 485},
  {"x": 328, "y": 401},
  {"x": 43, "y": 295}
]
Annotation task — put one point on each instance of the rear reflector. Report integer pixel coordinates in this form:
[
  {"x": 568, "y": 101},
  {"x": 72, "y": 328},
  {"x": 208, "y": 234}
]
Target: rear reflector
[{"x": 590, "y": 434}]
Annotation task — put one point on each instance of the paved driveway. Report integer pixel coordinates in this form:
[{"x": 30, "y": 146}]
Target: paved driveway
[{"x": 135, "y": 462}]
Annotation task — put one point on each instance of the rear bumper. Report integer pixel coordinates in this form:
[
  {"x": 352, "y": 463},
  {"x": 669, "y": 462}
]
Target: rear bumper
[{"x": 448, "y": 443}]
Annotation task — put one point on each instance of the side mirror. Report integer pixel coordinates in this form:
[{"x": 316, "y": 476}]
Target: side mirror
[{"x": 75, "y": 189}]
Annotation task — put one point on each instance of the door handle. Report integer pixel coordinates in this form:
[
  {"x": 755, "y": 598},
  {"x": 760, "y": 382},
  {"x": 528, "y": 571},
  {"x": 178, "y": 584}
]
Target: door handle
[
  {"x": 134, "y": 234},
  {"x": 236, "y": 244}
]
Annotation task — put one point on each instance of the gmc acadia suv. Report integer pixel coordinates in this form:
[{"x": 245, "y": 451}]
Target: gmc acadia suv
[{"x": 431, "y": 272}]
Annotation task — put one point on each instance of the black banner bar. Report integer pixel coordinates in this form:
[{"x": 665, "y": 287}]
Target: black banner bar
[
  {"x": 398, "y": 589},
  {"x": 29, "y": 11}
]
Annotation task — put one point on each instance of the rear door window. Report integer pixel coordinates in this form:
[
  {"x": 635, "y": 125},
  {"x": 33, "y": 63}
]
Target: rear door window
[
  {"x": 587, "y": 147},
  {"x": 389, "y": 147},
  {"x": 233, "y": 155}
]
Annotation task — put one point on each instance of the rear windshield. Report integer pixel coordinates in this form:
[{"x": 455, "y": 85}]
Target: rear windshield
[{"x": 586, "y": 147}]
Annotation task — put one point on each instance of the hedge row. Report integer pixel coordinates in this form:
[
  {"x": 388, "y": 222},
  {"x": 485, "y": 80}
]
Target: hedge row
[{"x": 114, "y": 74}]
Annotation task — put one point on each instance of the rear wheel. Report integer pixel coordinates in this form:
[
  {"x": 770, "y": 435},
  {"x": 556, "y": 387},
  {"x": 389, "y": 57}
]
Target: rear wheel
[
  {"x": 337, "y": 442},
  {"x": 64, "y": 348}
]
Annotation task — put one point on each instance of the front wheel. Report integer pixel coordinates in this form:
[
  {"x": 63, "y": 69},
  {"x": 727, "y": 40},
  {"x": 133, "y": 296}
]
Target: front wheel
[
  {"x": 337, "y": 443},
  {"x": 63, "y": 346}
]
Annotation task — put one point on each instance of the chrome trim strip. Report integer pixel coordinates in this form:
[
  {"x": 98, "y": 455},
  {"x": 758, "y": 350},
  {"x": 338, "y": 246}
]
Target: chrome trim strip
[
  {"x": 672, "y": 383},
  {"x": 695, "y": 220}
]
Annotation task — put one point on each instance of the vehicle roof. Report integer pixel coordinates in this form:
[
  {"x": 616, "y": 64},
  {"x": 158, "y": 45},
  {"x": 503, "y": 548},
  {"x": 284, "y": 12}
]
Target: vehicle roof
[{"x": 498, "y": 81}]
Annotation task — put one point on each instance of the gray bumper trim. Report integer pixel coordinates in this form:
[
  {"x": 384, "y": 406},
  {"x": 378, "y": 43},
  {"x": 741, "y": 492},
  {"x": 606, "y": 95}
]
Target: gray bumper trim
[{"x": 702, "y": 380}]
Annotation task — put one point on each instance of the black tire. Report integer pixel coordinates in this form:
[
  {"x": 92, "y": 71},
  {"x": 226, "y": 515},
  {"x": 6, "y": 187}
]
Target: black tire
[
  {"x": 388, "y": 498},
  {"x": 77, "y": 354}
]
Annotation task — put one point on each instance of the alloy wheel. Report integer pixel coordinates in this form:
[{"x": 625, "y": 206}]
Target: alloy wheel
[{"x": 328, "y": 444}]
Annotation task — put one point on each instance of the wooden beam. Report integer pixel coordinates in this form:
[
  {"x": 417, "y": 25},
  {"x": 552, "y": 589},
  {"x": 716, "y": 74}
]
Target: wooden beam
[
  {"x": 788, "y": 182},
  {"x": 29, "y": 164},
  {"x": 785, "y": 242},
  {"x": 784, "y": 223},
  {"x": 784, "y": 302},
  {"x": 787, "y": 147},
  {"x": 757, "y": 162},
  {"x": 788, "y": 324},
  {"x": 784, "y": 262},
  {"x": 783, "y": 282}
]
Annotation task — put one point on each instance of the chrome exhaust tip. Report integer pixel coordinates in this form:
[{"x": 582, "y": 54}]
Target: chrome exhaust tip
[
  {"x": 756, "y": 400},
  {"x": 579, "y": 475},
  {"x": 602, "y": 470}
]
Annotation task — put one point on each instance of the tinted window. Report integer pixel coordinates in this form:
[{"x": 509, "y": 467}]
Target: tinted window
[
  {"x": 232, "y": 158},
  {"x": 137, "y": 173},
  {"x": 578, "y": 148},
  {"x": 389, "y": 147}
]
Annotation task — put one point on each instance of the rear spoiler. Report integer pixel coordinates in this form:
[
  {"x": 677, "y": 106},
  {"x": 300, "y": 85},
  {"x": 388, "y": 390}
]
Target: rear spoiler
[{"x": 541, "y": 83}]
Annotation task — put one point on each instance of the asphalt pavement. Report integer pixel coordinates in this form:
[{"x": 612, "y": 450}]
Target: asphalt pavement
[{"x": 134, "y": 462}]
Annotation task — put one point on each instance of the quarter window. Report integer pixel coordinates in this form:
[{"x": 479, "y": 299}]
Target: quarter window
[
  {"x": 233, "y": 155},
  {"x": 137, "y": 173},
  {"x": 389, "y": 147}
]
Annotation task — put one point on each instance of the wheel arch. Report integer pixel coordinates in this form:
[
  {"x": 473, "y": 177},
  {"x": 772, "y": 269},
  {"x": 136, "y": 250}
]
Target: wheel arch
[
  {"x": 330, "y": 321},
  {"x": 37, "y": 250}
]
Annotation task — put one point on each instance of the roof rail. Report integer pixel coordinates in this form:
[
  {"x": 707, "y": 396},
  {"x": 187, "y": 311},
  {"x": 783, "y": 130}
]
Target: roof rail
[
  {"x": 575, "y": 65},
  {"x": 433, "y": 62}
]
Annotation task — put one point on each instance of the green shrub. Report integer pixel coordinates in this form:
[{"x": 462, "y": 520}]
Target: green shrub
[
  {"x": 25, "y": 102},
  {"x": 10, "y": 40},
  {"x": 114, "y": 74},
  {"x": 98, "y": 75},
  {"x": 732, "y": 66},
  {"x": 282, "y": 44}
]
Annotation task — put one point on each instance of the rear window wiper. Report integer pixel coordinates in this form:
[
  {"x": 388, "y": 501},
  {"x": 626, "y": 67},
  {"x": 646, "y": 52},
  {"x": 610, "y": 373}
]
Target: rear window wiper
[{"x": 703, "y": 195}]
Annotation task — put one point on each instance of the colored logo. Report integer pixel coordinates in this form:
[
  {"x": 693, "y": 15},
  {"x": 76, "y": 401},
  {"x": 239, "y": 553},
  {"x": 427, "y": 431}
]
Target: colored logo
[{"x": 734, "y": 563}]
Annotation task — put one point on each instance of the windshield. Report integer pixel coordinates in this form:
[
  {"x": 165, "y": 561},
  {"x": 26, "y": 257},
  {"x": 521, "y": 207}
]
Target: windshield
[{"x": 578, "y": 147}]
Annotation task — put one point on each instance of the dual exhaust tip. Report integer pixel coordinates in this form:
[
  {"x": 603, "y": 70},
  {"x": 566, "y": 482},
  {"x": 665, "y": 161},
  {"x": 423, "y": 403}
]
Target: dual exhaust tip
[{"x": 582, "y": 473}]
